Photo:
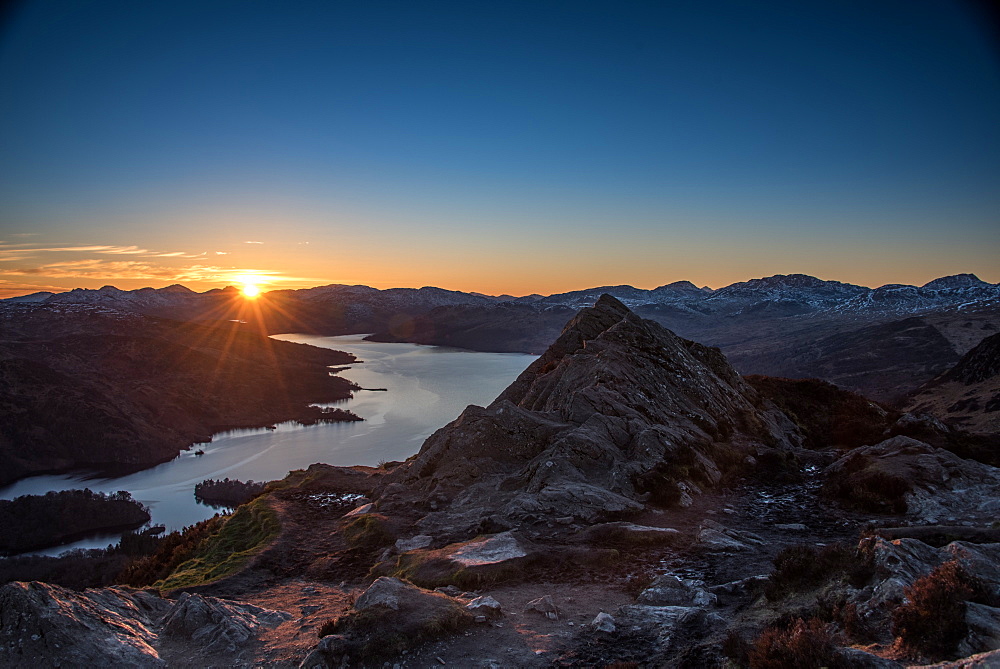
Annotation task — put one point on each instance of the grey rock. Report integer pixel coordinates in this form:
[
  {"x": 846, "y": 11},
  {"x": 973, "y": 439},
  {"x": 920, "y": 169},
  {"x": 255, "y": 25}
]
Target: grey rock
[
  {"x": 494, "y": 550},
  {"x": 47, "y": 625},
  {"x": 603, "y": 622},
  {"x": 987, "y": 660},
  {"x": 413, "y": 543},
  {"x": 384, "y": 591},
  {"x": 630, "y": 534},
  {"x": 545, "y": 606},
  {"x": 984, "y": 629},
  {"x": 486, "y": 606},
  {"x": 217, "y": 625},
  {"x": 669, "y": 590},
  {"x": 859, "y": 658},
  {"x": 449, "y": 590},
  {"x": 942, "y": 485}
]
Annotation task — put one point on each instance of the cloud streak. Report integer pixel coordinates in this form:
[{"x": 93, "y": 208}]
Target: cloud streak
[{"x": 97, "y": 268}]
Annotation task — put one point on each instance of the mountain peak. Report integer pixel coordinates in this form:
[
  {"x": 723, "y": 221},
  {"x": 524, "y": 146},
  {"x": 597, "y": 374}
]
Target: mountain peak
[
  {"x": 589, "y": 427},
  {"x": 177, "y": 289},
  {"x": 955, "y": 281}
]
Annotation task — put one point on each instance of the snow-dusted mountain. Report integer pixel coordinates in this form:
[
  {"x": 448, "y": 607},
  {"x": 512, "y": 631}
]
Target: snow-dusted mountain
[
  {"x": 794, "y": 294},
  {"x": 779, "y": 295}
]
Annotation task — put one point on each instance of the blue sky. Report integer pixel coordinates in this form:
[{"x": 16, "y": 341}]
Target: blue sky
[{"x": 501, "y": 147}]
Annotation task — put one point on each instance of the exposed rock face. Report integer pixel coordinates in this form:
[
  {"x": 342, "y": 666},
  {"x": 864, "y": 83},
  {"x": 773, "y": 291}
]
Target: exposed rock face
[
  {"x": 968, "y": 394},
  {"x": 903, "y": 475},
  {"x": 46, "y": 625},
  {"x": 898, "y": 564},
  {"x": 595, "y": 426},
  {"x": 215, "y": 624}
]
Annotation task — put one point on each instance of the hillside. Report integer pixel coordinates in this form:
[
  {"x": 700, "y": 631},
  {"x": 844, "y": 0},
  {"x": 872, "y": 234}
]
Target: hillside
[
  {"x": 968, "y": 394},
  {"x": 88, "y": 386}
]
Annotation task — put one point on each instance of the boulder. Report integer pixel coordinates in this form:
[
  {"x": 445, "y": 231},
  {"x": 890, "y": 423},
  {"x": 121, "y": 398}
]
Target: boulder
[
  {"x": 545, "y": 606},
  {"x": 360, "y": 511},
  {"x": 716, "y": 537},
  {"x": 669, "y": 590},
  {"x": 493, "y": 550},
  {"x": 390, "y": 617},
  {"x": 217, "y": 625},
  {"x": 905, "y": 476},
  {"x": 492, "y": 558},
  {"x": 485, "y": 606},
  {"x": 603, "y": 622},
  {"x": 987, "y": 660}
]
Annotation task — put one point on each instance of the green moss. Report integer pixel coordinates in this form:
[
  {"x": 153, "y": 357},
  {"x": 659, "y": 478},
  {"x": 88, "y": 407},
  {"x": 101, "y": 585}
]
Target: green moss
[
  {"x": 244, "y": 534},
  {"x": 369, "y": 530}
]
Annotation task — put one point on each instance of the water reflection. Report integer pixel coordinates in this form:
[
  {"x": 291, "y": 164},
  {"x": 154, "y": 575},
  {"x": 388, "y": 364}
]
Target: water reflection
[{"x": 426, "y": 387}]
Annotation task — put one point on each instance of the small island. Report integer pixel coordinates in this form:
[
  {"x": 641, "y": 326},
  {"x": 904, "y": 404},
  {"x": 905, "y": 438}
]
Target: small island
[
  {"x": 227, "y": 493},
  {"x": 33, "y": 522}
]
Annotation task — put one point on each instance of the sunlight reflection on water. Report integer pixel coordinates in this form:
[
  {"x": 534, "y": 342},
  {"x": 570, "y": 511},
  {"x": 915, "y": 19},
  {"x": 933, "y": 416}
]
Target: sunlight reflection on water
[{"x": 426, "y": 387}]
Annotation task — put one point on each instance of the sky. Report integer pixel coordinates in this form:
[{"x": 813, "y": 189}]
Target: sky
[{"x": 501, "y": 147}]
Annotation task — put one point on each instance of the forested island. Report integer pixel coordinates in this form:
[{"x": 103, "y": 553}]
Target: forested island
[
  {"x": 228, "y": 492},
  {"x": 32, "y": 522}
]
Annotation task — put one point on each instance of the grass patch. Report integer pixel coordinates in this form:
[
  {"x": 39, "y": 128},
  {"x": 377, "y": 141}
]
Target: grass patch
[
  {"x": 369, "y": 530},
  {"x": 238, "y": 538}
]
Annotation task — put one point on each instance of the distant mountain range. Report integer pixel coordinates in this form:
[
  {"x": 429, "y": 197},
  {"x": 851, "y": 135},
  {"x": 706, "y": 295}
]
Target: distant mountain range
[
  {"x": 787, "y": 294},
  {"x": 883, "y": 342}
]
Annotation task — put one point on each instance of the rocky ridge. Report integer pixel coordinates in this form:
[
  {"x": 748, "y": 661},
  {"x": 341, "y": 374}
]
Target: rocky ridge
[{"x": 599, "y": 424}]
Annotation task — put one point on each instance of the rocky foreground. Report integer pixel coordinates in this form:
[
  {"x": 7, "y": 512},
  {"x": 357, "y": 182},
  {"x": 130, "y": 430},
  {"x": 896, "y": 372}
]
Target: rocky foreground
[{"x": 628, "y": 499}]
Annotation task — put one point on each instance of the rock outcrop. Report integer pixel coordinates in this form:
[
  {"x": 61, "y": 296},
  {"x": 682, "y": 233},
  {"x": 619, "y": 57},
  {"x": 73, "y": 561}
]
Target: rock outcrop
[
  {"x": 47, "y": 625},
  {"x": 388, "y": 618},
  {"x": 618, "y": 412},
  {"x": 904, "y": 475}
]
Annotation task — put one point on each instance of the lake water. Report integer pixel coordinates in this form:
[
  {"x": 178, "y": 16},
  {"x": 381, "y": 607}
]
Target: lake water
[{"x": 426, "y": 388}]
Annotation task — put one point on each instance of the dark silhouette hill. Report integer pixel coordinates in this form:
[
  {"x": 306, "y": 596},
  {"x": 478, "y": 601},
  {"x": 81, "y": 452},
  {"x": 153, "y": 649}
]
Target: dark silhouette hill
[{"x": 87, "y": 386}]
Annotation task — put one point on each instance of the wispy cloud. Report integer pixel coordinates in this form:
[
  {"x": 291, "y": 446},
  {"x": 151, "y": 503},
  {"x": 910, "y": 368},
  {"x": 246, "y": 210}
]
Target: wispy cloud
[
  {"x": 96, "y": 268},
  {"x": 253, "y": 242},
  {"x": 15, "y": 288},
  {"x": 222, "y": 253}
]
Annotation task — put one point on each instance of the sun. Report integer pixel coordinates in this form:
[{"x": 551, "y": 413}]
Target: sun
[{"x": 250, "y": 286}]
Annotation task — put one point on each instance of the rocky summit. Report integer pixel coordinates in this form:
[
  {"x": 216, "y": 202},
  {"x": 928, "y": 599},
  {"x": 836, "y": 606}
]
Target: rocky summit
[{"x": 619, "y": 411}]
